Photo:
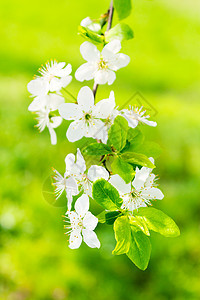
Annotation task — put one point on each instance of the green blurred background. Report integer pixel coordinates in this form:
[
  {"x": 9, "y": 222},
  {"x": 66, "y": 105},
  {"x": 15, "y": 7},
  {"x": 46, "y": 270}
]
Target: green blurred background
[{"x": 35, "y": 261}]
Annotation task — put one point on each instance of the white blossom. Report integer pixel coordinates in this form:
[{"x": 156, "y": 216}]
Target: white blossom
[
  {"x": 76, "y": 177},
  {"x": 45, "y": 119},
  {"x": 54, "y": 76},
  {"x": 136, "y": 115},
  {"x": 93, "y": 26},
  {"x": 51, "y": 101},
  {"x": 101, "y": 66},
  {"x": 81, "y": 225},
  {"x": 140, "y": 191},
  {"x": 87, "y": 116}
]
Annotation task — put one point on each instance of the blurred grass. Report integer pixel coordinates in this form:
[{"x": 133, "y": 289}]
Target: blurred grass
[{"x": 35, "y": 262}]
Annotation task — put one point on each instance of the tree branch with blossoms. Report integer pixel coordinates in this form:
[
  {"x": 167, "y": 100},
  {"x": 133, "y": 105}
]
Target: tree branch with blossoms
[{"x": 123, "y": 182}]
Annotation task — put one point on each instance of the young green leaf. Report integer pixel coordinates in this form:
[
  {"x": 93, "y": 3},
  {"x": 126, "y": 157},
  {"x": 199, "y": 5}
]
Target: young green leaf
[
  {"x": 121, "y": 32},
  {"x": 135, "y": 139},
  {"x": 111, "y": 216},
  {"x": 124, "y": 169},
  {"x": 122, "y": 230},
  {"x": 101, "y": 217},
  {"x": 140, "y": 248},
  {"x": 117, "y": 133},
  {"x": 140, "y": 223},
  {"x": 137, "y": 159},
  {"x": 96, "y": 149},
  {"x": 90, "y": 36},
  {"x": 147, "y": 148},
  {"x": 159, "y": 222},
  {"x": 106, "y": 195},
  {"x": 123, "y": 8}
]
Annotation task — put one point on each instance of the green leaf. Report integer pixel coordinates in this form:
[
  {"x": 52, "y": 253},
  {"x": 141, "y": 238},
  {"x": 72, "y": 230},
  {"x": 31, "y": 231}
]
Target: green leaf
[
  {"x": 108, "y": 217},
  {"x": 96, "y": 149},
  {"x": 106, "y": 195},
  {"x": 137, "y": 159},
  {"x": 122, "y": 230},
  {"x": 90, "y": 36},
  {"x": 120, "y": 31},
  {"x": 111, "y": 216},
  {"x": 147, "y": 148},
  {"x": 159, "y": 222},
  {"x": 117, "y": 133},
  {"x": 135, "y": 139},
  {"x": 124, "y": 169},
  {"x": 123, "y": 8},
  {"x": 140, "y": 248},
  {"x": 140, "y": 223}
]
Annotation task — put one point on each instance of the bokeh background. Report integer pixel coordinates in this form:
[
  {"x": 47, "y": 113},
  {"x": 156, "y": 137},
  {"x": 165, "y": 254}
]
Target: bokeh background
[{"x": 35, "y": 261}]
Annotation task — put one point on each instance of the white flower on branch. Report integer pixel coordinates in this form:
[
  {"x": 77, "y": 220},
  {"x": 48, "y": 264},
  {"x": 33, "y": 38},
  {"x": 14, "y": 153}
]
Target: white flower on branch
[
  {"x": 87, "y": 116},
  {"x": 140, "y": 192},
  {"x": 54, "y": 76},
  {"x": 93, "y": 26},
  {"x": 45, "y": 119},
  {"x": 51, "y": 101},
  {"x": 101, "y": 66},
  {"x": 136, "y": 115},
  {"x": 76, "y": 177},
  {"x": 81, "y": 224}
]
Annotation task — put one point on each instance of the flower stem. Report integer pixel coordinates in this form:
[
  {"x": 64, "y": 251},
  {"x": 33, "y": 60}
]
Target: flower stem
[
  {"x": 70, "y": 94},
  {"x": 110, "y": 18}
]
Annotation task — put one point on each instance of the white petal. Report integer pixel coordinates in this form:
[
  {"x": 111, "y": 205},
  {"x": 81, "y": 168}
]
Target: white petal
[
  {"x": 75, "y": 239},
  {"x": 85, "y": 22},
  {"x": 52, "y": 135},
  {"x": 101, "y": 77},
  {"x": 96, "y": 130},
  {"x": 55, "y": 85},
  {"x": 85, "y": 72},
  {"x": 119, "y": 61},
  {"x": 65, "y": 81},
  {"x": 141, "y": 176},
  {"x": 63, "y": 72},
  {"x": 54, "y": 101},
  {"x": 75, "y": 131},
  {"x": 147, "y": 122},
  {"x": 80, "y": 161},
  {"x": 96, "y": 172},
  {"x": 111, "y": 77},
  {"x": 38, "y": 87},
  {"x": 89, "y": 52},
  {"x": 150, "y": 180},
  {"x": 70, "y": 111},
  {"x": 90, "y": 238},
  {"x": 69, "y": 162},
  {"x": 90, "y": 221},
  {"x": 56, "y": 121},
  {"x": 152, "y": 193},
  {"x": 37, "y": 104},
  {"x": 104, "y": 108},
  {"x": 71, "y": 186},
  {"x": 82, "y": 205},
  {"x": 120, "y": 184},
  {"x": 111, "y": 48},
  {"x": 85, "y": 99}
]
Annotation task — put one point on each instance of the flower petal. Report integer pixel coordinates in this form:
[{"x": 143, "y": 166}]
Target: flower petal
[
  {"x": 65, "y": 81},
  {"x": 90, "y": 238},
  {"x": 104, "y": 107},
  {"x": 152, "y": 193},
  {"x": 120, "y": 184},
  {"x": 52, "y": 135},
  {"x": 80, "y": 161},
  {"x": 54, "y": 101},
  {"x": 89, "y": 52},
  {"x": 85, "y": 72},
  {"x": 90, "y": 221},
  {"x": 101, "y": 76},
  {"x": 85, "y": 99},
  {"x": 55, "y": 85},
  {"x": 56, "y": 121},
  {"x": 75, "y": 131},
  {"x": 119, "y": 61},
  {"x": 96, "y": 172},
  {"x": 37, "y": 104},
  {"x": 38, "y": 87},
  {"x": 70, "y": 111},
  {"x": 75, "y": 239},
  {"x": 111, "y": 48},
  {"x": 82, "y": 205}
]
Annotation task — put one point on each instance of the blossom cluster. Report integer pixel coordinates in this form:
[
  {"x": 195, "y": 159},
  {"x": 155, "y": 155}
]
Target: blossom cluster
[{"x": 121, "y": 179}]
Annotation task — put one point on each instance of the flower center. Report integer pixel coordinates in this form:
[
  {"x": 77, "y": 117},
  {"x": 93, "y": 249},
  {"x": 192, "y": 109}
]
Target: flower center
[
  {"x": 102, "y": 64},
  {"x": 87, "y": 116}
]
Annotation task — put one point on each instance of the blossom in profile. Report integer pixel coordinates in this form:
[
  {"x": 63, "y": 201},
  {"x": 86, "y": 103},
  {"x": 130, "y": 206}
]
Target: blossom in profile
[
  {"x": 93, "y": 26},
  {"x": 101, "y": 66},
  {"x": 136, "y": 115},
  {"x": 140, "y": 192},
  {"x": 53, "y": 77},
  {"x": 87, "y": 117},
  {"x": 81, "y": 224}
]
